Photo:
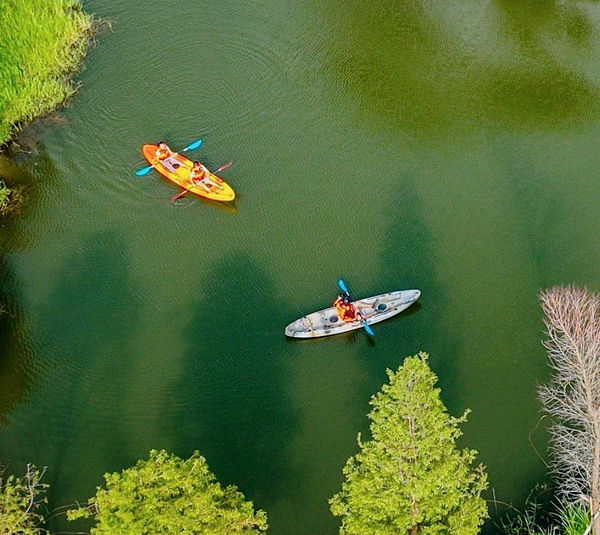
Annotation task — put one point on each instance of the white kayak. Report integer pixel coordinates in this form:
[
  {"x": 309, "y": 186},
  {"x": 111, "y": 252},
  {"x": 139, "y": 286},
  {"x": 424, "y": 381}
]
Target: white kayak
[{"x": 373, "y": 309}]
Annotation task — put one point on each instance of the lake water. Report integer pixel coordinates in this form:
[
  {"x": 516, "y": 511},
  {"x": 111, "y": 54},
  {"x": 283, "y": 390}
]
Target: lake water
[{"x": 444, "y": 146}]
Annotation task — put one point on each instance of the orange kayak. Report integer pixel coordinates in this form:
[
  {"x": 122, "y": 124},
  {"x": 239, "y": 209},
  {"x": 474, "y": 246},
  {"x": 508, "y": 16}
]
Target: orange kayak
[{"x": 177, "y": 169}]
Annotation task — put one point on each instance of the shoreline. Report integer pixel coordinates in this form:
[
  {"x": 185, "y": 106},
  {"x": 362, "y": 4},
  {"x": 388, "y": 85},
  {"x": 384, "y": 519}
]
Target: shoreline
[{"x": 42, "y": 46}]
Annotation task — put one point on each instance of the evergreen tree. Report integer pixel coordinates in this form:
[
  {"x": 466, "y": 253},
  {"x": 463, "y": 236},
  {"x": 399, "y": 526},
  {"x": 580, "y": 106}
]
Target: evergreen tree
[
  {"x": 166, "y": 495},
  {"x": 410, "y": 478}
]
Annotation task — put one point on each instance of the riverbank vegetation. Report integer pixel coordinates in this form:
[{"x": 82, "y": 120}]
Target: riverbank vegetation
[
  {"x": 536, "y": 520},
  {"x": 572, "y": 397},
  {"x": 572, "y": 400},
  {"x": 20, "y": 501},
  {"x": 410, "y": 477},
  {"x": 42, "y": 43},
  {"x": 166, "y": 494}
]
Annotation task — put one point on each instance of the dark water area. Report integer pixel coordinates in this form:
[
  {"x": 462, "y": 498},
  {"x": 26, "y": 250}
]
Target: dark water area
[{"x": 444, "y": 146}]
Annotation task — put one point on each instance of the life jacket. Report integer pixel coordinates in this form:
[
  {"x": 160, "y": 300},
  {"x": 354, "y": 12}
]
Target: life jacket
[
  {"x": 346, "y": 311},
  {"x": 163, "y": 153},
  {"x": 199, "y": 175}
]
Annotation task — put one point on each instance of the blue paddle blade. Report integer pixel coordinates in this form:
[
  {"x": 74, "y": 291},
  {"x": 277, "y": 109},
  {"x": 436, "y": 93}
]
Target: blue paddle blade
[
  {"x": 193, "y": 145},
  {"x": 144, "y": 171},
  {"x": 342, "y": 286},
  {"x": 370, "y": 331}
]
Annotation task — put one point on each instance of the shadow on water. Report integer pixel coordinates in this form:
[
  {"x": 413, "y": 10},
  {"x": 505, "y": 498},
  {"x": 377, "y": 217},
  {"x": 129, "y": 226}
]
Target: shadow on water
[
  {"x": 428, "y": 74},
  {"x": 409, "y": 258},
  {"x": 407, "y": 262},
  {"x": 226, "y": 207},
  {"x": 88, "y": 322},
  {"x": 16, "y": 361},
  {"x": 535, "y": 85},
  {"x": 234, "y": 390},
  {"x": 539, "y": 205},
  {"x": 16, "y": 358},
  {"x": 529, "y": 25},
  {"x": 28, "y": 140},
  {"x": 25, "y": 173}
]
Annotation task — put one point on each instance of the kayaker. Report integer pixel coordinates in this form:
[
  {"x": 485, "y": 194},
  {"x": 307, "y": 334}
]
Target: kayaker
[
  {"x": 163, "y": 151},
  {"x": 345, "y": 308},
  {"x": 200, "y": 176}
]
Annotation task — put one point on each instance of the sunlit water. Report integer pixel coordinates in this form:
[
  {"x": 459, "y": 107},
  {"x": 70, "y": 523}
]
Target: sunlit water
[{"x": 444, "y": 146}]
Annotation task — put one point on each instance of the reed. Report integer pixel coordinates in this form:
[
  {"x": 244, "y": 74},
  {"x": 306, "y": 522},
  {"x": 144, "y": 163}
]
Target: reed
[{"x": 42, "y": 43}]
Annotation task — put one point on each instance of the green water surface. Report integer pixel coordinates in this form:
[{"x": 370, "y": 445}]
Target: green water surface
[{"x": 449, "y": 146}]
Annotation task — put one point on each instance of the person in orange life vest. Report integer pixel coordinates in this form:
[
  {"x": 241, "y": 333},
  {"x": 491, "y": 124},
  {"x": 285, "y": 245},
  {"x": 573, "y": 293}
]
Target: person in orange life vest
[
  {"x": 345, "y": 308},
  {"x": 163, "y": 151},
  {"x": 200, "y": 176}
]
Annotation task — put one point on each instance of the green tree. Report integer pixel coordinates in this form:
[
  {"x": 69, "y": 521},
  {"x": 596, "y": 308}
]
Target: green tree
[
  {"x": 168, "y": 495},
  {"x": 20, "y": 499},
  {"x": 410, "y": 478}
]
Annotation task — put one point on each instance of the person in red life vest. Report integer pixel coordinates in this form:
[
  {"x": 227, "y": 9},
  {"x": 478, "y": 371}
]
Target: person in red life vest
[
  {"x": 345, "y": 308},
  {"x": 163, "y": 151},
  {"x": 200, "y": 176}
]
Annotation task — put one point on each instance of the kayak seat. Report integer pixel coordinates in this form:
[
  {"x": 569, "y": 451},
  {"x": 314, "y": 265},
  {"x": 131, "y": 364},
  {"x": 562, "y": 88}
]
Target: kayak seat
[
  {"x": 333, "y": 319},
  {"x": 171, "y": 163}
]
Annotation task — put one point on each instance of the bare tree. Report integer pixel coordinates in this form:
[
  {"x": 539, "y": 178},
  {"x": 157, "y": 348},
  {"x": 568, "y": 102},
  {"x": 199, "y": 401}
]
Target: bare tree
[{"x": 572, "y": 397}]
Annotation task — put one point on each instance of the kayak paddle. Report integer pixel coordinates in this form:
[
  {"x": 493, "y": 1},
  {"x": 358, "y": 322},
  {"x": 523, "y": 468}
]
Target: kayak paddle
[
  {"x": 367, "y": 327},
  {"x": 182, "y": 193},
  {"x": 144, "y": 171}
]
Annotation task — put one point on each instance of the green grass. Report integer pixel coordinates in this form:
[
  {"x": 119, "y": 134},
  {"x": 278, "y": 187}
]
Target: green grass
[
  {"x": 574, "y": 519},
  {"x": 42, "y": 42},
  {"x": 566, "y": 519}
]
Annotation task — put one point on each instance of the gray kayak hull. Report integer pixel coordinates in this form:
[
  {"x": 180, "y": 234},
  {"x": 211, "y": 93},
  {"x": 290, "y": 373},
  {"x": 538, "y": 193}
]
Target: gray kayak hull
[{"x": 374, "y": 309}]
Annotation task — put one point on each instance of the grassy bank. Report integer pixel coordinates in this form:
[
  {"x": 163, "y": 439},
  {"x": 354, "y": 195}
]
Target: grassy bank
[{"x": 42, "y": 42}]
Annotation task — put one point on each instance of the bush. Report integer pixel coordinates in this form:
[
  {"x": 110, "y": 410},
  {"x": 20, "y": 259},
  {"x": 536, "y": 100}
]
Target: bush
[{"x": 166, "y": 495}]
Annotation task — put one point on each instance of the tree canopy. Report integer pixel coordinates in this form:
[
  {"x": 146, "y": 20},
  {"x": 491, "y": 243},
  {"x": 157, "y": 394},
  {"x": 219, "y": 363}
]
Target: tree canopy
[
  {"x": 168, "y": 495},
  {"x": 410, "y": 477},
  {"x": 20, "y": 499}
]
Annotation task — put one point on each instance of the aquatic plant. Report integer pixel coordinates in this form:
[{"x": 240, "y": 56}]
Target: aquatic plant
[
  {"x": 42, "y": 42},
  {"x": 11, "y": 198},
  {"x": 4, "y": 197}
]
